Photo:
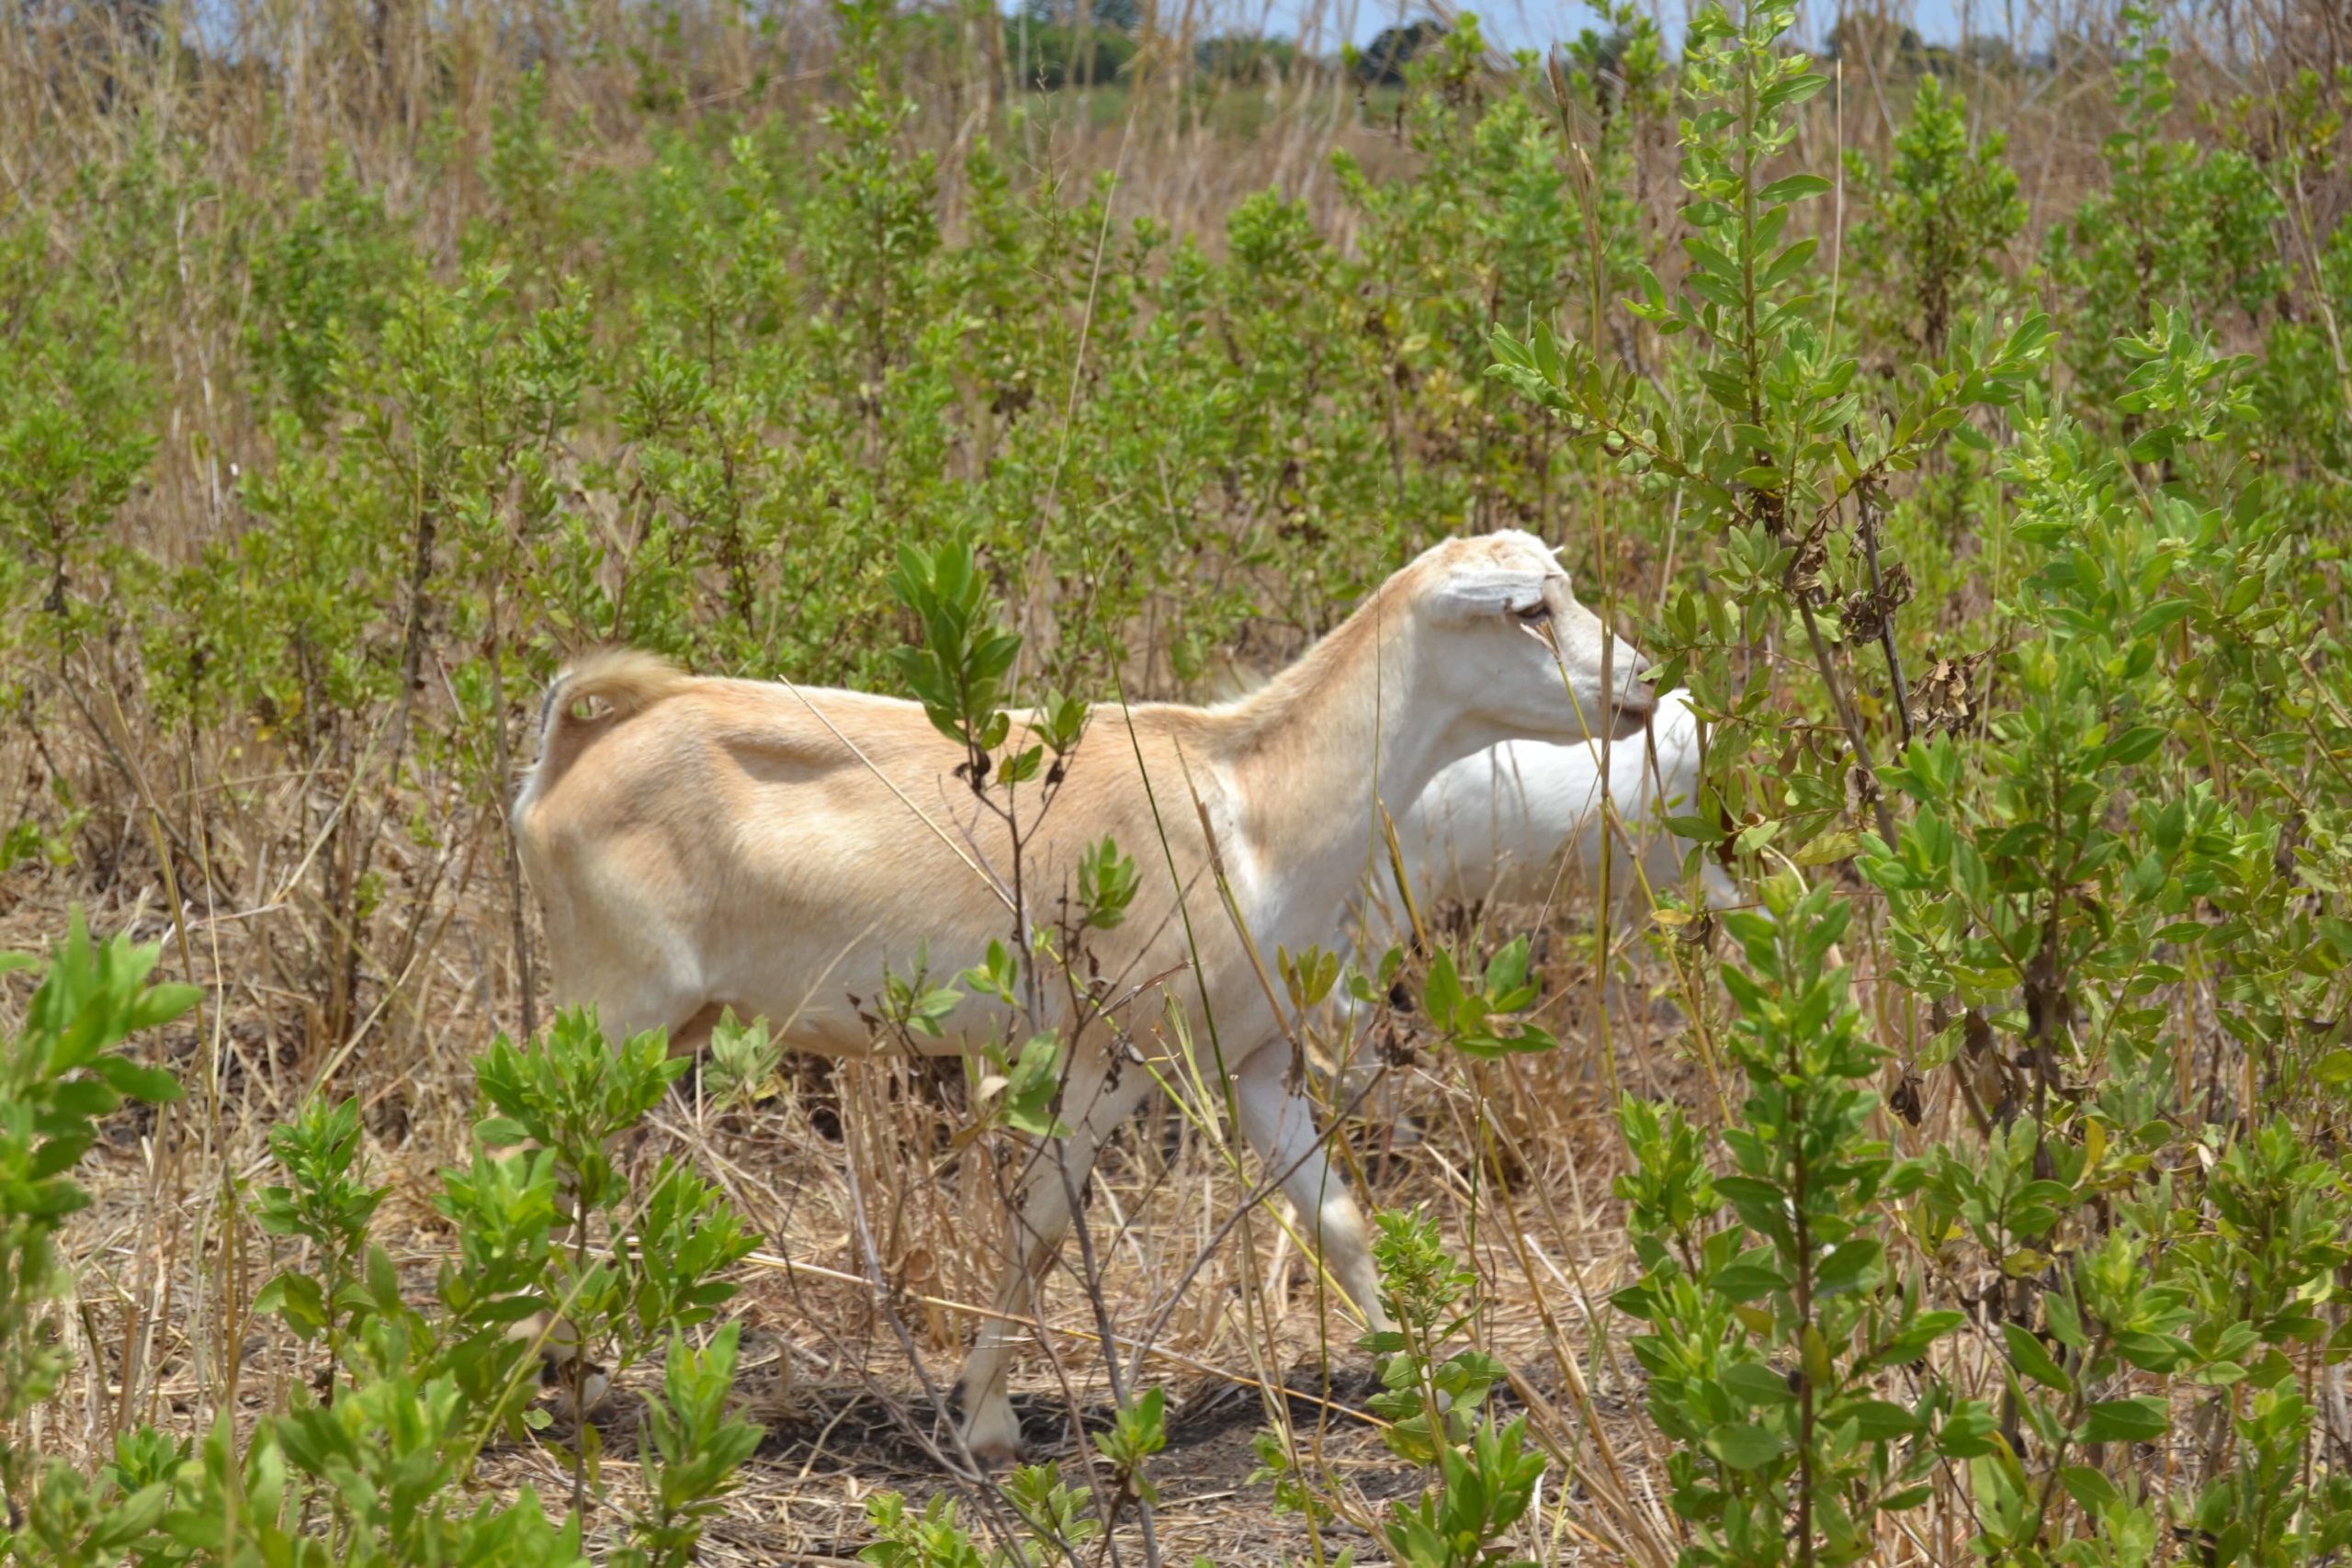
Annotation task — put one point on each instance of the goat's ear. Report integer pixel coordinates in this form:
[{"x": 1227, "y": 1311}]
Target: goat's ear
[{"x": 1479, "y": 591}]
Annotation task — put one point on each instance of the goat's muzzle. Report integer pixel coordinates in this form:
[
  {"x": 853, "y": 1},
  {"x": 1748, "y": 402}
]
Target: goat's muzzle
[{"x": 1633, "y": 717}]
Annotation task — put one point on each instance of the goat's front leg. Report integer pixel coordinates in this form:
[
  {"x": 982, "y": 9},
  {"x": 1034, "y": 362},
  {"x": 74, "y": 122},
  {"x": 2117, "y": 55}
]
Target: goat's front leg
[
  {"x": 1279, "y": 1122},
  {"x": 1093, "y": 1103}
]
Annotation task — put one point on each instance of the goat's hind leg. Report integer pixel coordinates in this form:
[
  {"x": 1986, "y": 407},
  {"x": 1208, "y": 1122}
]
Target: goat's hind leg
[{"x": 1093, "y": 1103}]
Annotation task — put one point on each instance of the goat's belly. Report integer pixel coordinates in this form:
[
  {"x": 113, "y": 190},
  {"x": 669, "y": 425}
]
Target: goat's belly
[
  {"x": 850, "y": 1010},
  {"x": 835, "y": 998},
  {"x": 861, "y": 1003}
]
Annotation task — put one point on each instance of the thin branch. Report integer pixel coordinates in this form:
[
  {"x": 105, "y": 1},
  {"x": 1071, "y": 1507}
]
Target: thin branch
[{"x": 1852, "y": 721}]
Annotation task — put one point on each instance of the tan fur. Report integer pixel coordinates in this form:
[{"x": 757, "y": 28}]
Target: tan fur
[
  {"x": 772, "y": 848},
  {"x": 627, "y": 680},
  {"x": 602, "y": 686}
]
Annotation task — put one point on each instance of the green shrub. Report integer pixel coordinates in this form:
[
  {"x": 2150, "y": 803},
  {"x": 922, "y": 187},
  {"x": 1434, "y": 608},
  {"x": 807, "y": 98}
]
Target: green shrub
[{"x": 1055, "y": 55}]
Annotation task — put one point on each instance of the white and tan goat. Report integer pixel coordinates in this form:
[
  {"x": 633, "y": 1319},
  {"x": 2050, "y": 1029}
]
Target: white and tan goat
[{"x": 699, "y": 844}]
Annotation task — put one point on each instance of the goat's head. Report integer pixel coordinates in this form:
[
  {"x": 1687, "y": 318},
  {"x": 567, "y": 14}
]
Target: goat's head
[{"x": 1507, "y": 627}]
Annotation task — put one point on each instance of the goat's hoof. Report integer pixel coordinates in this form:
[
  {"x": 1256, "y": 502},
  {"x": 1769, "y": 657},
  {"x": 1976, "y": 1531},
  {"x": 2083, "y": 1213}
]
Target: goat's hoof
[
  {"x": 568, "y": 1401},
  {"x": 994, "y": 1458},
  {"x": 994, "y": 1440}
]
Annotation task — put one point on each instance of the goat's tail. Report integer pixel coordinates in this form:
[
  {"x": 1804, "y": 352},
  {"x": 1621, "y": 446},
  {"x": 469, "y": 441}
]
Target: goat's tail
[{"x": 624, "y": 680}]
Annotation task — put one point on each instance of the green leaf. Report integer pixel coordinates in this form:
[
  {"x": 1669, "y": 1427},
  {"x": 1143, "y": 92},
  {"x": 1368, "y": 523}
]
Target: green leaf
[
  {"x": 1743, "y": 1445},
  {"x": 2026, "y": 1354},
  {"x": 2089, "y": 1487},
  {"x": 1847, "y": 1265},
  {"x": 2137, "y": 1420},
  {"x": 2065, "y": 1324},
  {"x": 499, "y": 1132},
  {"x": 2135, "y": 745},
  {"x": 1829, "y": 849},
  {"x": 2159, "y": 616},
  {"x": 161, "y": 1004},
  {"x": 1788, "y": 263},
  {"x": 129, "y": 1079},
  {"x": 1753, "y": 1382},
  {"x": 1879, "y": 1420},
  {"x": 1796, "y": 187},
  {"x": 1793, "y": 90},
  {"x": 1746, "y": 1281},
  {"x": 1442, "y": 996},
  {"x": 298, "y": 1300},
  {"x": 1507, "y": 971}
]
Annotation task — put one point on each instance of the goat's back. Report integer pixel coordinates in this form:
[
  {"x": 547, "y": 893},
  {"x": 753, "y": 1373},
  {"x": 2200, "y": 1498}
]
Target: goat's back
[{"x": 773, "y": 849}]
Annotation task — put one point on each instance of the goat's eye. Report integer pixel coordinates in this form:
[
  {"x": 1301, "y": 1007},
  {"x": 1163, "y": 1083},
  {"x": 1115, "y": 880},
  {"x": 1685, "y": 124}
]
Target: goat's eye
[{"x": 1533, "y": 615}]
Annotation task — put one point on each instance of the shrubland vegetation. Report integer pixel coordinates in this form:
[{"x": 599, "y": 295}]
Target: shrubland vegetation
[{"x": 1968, "y": 428}]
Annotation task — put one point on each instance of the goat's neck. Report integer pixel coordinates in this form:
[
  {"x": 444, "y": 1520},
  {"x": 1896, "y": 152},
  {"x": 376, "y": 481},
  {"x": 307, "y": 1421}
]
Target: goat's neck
[{"x": 1312, "y": 753}]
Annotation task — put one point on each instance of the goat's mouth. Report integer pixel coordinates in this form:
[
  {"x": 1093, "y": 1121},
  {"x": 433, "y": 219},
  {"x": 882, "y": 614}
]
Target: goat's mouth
[{"x": 1629, "y": 718}]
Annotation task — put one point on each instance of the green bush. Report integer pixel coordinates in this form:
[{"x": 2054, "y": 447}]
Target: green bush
[
  {"x": 1054, "y": 55},
  {"x": 381, "y": 1452}
]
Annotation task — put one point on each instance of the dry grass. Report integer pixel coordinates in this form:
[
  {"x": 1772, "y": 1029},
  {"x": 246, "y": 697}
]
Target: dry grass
[{"x": 168, "y": 1257}]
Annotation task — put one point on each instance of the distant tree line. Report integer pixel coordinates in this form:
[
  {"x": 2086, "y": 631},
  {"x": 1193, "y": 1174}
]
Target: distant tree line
[
  {"x": 1061, "y": 44},
  {"x": 1877, "y": 39}
]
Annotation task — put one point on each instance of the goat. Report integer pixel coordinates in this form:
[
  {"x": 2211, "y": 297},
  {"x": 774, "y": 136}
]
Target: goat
[
  {"x": 1492, "y": 827},
  {"x": 699, "y": 844}
]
